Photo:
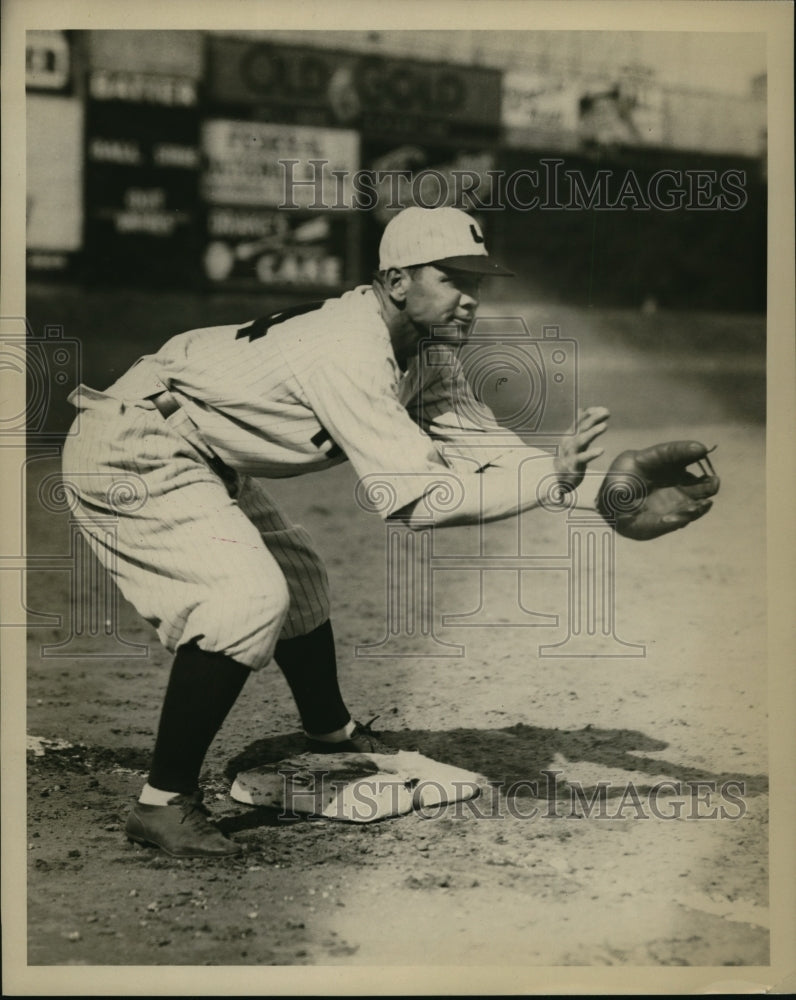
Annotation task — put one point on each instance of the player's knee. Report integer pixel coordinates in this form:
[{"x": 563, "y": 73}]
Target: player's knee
[
  {"x": 246, "y": 623},
  {"x": 264, "y": 607}
]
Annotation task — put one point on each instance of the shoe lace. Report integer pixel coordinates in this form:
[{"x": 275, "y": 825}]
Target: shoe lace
[
  {"x": 364, "y": 729},
  {"x": 194, "y": 811}
]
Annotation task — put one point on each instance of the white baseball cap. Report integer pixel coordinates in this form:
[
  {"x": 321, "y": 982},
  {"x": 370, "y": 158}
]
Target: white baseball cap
[{"x": 447, "y": 237}]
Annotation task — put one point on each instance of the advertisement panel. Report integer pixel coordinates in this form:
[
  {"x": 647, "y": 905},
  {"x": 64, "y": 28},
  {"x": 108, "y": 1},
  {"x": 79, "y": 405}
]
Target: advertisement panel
[
  {"x": 546, "y": 104},
  {"x": 542, "y": 110},
  {"x": 48, "y": 61},
  {"x": 627, "y": 112},
  {"x": 54, "y": 199},
  {"x": 714, "y": 123},
  {"x": 373, "y": 93},
  {"x": 426, "y": 174},
  {"x": 263, "y": 164},
  {"x": 302, "y": 106},
  {"x": 173, "y": 52},
  {"x": 142, "y": 173},
  {"x": 277, "y": 199},
  {"x": 250, "y": 248}
]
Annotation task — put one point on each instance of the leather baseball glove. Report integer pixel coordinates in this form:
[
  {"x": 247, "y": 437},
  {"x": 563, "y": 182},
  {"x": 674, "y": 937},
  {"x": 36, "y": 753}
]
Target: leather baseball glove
[{"x": 649, "y": 492}]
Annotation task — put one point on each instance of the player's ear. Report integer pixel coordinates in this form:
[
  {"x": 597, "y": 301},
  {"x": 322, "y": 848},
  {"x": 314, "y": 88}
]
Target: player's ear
[{"x": 396, "y": 281}]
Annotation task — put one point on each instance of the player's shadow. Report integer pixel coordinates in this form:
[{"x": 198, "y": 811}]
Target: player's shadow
[{"x": 521, "y": 754}]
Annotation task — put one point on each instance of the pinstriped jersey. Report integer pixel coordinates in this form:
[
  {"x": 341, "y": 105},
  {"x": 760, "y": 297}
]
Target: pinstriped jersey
[{"x": 292, "y": 396}]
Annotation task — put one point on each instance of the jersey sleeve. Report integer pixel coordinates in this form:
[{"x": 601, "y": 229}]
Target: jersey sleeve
[{"x": 357, "y": 404}]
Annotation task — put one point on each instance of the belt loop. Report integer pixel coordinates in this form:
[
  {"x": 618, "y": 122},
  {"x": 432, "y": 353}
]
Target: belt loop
[{"x": 166, "y": 403}]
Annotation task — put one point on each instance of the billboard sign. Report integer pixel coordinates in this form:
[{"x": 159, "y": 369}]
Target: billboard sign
[
  {"x": 249, "y": 248},
  {"x": 54, "y": 197},
  {"x": 142, "y": 174},
  {"x": 48, "y": 63},
  {"x": 374, "y": 93},
  {"x": 540, "y": 102},
  {"x": 245, "y": 164},
  {"x": 427, "y": 174},
  {"x": 627, "y": 111}
]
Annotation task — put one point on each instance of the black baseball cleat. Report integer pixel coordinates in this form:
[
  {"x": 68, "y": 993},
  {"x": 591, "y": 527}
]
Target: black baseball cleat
[
  {"x": 181, "y": 829},
  {"x": 362, "y": 740}
]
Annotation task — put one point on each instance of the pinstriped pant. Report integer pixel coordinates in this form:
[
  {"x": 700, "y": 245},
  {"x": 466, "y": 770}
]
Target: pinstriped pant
[{"x": 234, "y": 574}]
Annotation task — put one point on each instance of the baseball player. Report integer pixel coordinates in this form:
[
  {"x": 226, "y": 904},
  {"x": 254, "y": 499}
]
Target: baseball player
[{"x": 206, "y": 555}]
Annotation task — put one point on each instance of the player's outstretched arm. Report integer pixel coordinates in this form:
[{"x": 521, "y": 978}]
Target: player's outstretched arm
[{"x": 499, "y": 492}]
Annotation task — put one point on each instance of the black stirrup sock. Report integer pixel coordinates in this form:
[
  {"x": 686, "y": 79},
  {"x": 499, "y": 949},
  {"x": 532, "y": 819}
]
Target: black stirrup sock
[
  {"x": 310, "y": 668},
  {"x": 202, "y": 689}
]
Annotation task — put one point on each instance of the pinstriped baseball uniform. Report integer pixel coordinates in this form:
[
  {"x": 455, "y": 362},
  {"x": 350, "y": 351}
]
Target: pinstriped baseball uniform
[{"x": 273, "y": 398}]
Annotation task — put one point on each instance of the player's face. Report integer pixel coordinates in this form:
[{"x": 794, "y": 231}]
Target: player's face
[{"x": 442, "y": 298}]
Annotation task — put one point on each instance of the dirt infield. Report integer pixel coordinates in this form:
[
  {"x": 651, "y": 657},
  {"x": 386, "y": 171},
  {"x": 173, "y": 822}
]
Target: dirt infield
[{"x": 523, "y": 875}]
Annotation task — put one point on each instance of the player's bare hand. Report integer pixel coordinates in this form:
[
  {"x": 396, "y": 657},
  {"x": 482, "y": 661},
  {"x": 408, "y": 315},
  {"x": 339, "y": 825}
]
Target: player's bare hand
[{"x": 577, "y": 448}]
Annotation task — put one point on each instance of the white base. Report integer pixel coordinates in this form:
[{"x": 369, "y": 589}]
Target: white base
[{"x": 355, "y": 787}]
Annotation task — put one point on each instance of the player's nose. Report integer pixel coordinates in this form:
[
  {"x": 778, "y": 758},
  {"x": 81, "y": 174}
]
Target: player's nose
[{"x": 469, "y": 298}]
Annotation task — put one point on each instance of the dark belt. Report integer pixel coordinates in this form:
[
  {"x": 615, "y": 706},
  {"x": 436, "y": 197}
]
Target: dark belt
[{"x": 167, "y": 405}]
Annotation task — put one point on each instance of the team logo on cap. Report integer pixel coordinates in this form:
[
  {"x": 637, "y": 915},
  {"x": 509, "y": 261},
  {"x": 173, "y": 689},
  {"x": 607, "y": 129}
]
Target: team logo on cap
[{"x": 476, "y": 235}]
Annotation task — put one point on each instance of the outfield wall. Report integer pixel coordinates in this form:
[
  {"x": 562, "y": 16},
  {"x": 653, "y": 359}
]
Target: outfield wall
[{"x": 159, "y": 160}]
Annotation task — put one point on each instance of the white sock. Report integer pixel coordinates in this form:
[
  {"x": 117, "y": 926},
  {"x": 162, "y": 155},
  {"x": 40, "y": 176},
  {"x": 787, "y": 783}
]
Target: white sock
[
  {"x": 336, "y": 736},
  {"x": 155, "y": 796}
]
